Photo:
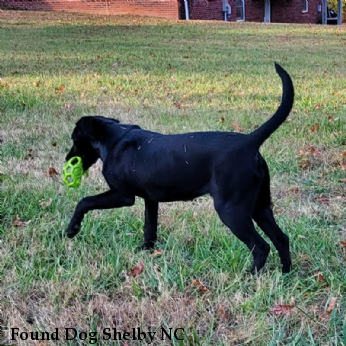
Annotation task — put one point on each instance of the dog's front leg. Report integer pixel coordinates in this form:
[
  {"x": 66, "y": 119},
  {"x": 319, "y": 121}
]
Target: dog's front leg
[
  {"x": 107, "y": 200},
  {"x": 150, "y": 225}
]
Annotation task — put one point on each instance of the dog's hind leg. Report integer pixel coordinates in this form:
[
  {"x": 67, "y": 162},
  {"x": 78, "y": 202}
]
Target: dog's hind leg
[
  {"x": 107, "y": 200},
  {"x": 238, "y": 219},
  {"x": 265, "y": 220},
  {"x": 150, "y": 225},
  {"x": 263, "y": 216}
]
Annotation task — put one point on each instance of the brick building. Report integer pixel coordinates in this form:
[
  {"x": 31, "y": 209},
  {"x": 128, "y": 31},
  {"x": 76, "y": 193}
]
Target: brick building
[{"x": 276, "y": 11}]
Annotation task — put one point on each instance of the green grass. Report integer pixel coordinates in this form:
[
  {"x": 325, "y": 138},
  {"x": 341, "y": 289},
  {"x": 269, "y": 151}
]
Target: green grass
[{"x": 171, "y": 77}]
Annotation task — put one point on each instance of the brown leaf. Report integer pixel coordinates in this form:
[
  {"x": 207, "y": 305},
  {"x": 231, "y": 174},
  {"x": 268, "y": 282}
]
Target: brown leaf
[
  {"x": 138, "y": 269},
  {"x": 331, "y": 305},
  {"x": 157, "y": 253},
  {"x": 18, "y": 222},
  {"x": 177, "y": 104},
  {"x": 198, "y": 284},
  {"x": 60, "y": 90},
  {"x": 282, "y": 310},
  {"x": 223, "y": 314},
  {"x": 36, "y": 84},
  {"x": 52, "y": 171},
  {"x": 221, "y": 120},
  {"x": 303, "y": 164},
  {"x": 237, "y": 127},
  {"x": 342, "y": 165},
  {"x": 322, "y": 199},
  {"x": 343, "y": 243},
  {"x": 320, "y": 278},
  {"x": 315, "y": 127}
]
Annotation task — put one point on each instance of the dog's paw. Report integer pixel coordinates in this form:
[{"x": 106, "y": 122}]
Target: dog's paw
[
  {"x": 72, "y": 231},
  {"x": 286, "y": 267}
]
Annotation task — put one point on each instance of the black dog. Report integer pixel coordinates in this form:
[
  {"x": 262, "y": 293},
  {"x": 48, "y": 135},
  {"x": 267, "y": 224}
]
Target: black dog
[{"x": 181, "y": 167}]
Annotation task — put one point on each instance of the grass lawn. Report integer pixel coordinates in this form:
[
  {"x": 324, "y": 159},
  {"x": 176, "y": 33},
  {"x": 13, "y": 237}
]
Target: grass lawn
[{"x": 170, "y": 77}]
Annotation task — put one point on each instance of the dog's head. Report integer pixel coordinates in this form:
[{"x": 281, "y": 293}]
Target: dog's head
[{"x": 87, "y": 132}]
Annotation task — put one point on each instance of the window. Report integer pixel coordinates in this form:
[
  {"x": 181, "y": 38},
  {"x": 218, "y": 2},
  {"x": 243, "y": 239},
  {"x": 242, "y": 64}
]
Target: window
[
  {"x": 240, "y": 10},
  {"x": 305, "y": 6}
]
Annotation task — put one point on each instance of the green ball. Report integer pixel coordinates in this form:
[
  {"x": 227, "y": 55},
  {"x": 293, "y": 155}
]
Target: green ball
[{"x": 73, "y": 172}]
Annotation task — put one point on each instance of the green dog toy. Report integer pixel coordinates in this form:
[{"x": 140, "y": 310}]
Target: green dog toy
[{"x": 73, "y": 172}]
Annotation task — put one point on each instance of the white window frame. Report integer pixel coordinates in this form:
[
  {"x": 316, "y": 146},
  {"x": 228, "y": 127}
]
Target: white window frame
[
  {"x": 243, "y": 10},
  {"x": 306, "y": 9}
]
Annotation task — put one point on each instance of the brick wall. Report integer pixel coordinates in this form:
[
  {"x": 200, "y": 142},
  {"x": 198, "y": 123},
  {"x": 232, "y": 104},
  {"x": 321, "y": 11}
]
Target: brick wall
[
  {"x": 156, "y": 8},
  {"x": 206, "y": 9},
  {"x": 282, "y": 11},
  {"x": 290, "y": 11},
  {"x": 254, "y": 10}
]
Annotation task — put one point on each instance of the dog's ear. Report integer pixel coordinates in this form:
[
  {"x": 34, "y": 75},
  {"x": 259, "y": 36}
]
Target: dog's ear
[{"x": 90, "y": 127}]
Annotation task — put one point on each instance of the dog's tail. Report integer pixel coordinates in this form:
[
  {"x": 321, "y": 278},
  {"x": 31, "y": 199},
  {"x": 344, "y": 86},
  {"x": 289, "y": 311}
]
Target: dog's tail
[{"x": 263, "y": 132}]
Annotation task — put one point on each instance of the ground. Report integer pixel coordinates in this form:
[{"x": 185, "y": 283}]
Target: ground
[{"x": 171, "y": 77}]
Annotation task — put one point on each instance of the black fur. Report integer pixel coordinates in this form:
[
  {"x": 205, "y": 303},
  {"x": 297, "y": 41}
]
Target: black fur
[{"x": 181, "y": 167}]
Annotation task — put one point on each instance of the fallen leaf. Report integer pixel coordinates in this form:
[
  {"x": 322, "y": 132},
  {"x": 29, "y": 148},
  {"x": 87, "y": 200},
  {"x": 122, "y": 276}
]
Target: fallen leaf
[
  {"x": 221, "y": 120},
  {"x": 198, "y": 284},
  {"x": 342, "y": 165},
  {"x": 177, "y": 104},
  {"x": 304, "y": 164},
  {"x": 343, "y": 243},
  {"x": 315, "y": 127},
  {"x": 45, "y": 204},
  {"x": 37, "y": 84},
  {"x": 60, "y": 90},
  {"x": 157, "y": 253},
  {"x": 237, "y": 127},
  {"x": 18, "y": 222},
  {"x": 282, "y": 310},
  {"x": 138, "y": 269},
  {"x": 320, "y": 278},
  {"x": 322, "y": 199},
  {"x": 223, "y": 314},
  {"x": 52, "y": 171},
  {"x": 331, "y": 305}
]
